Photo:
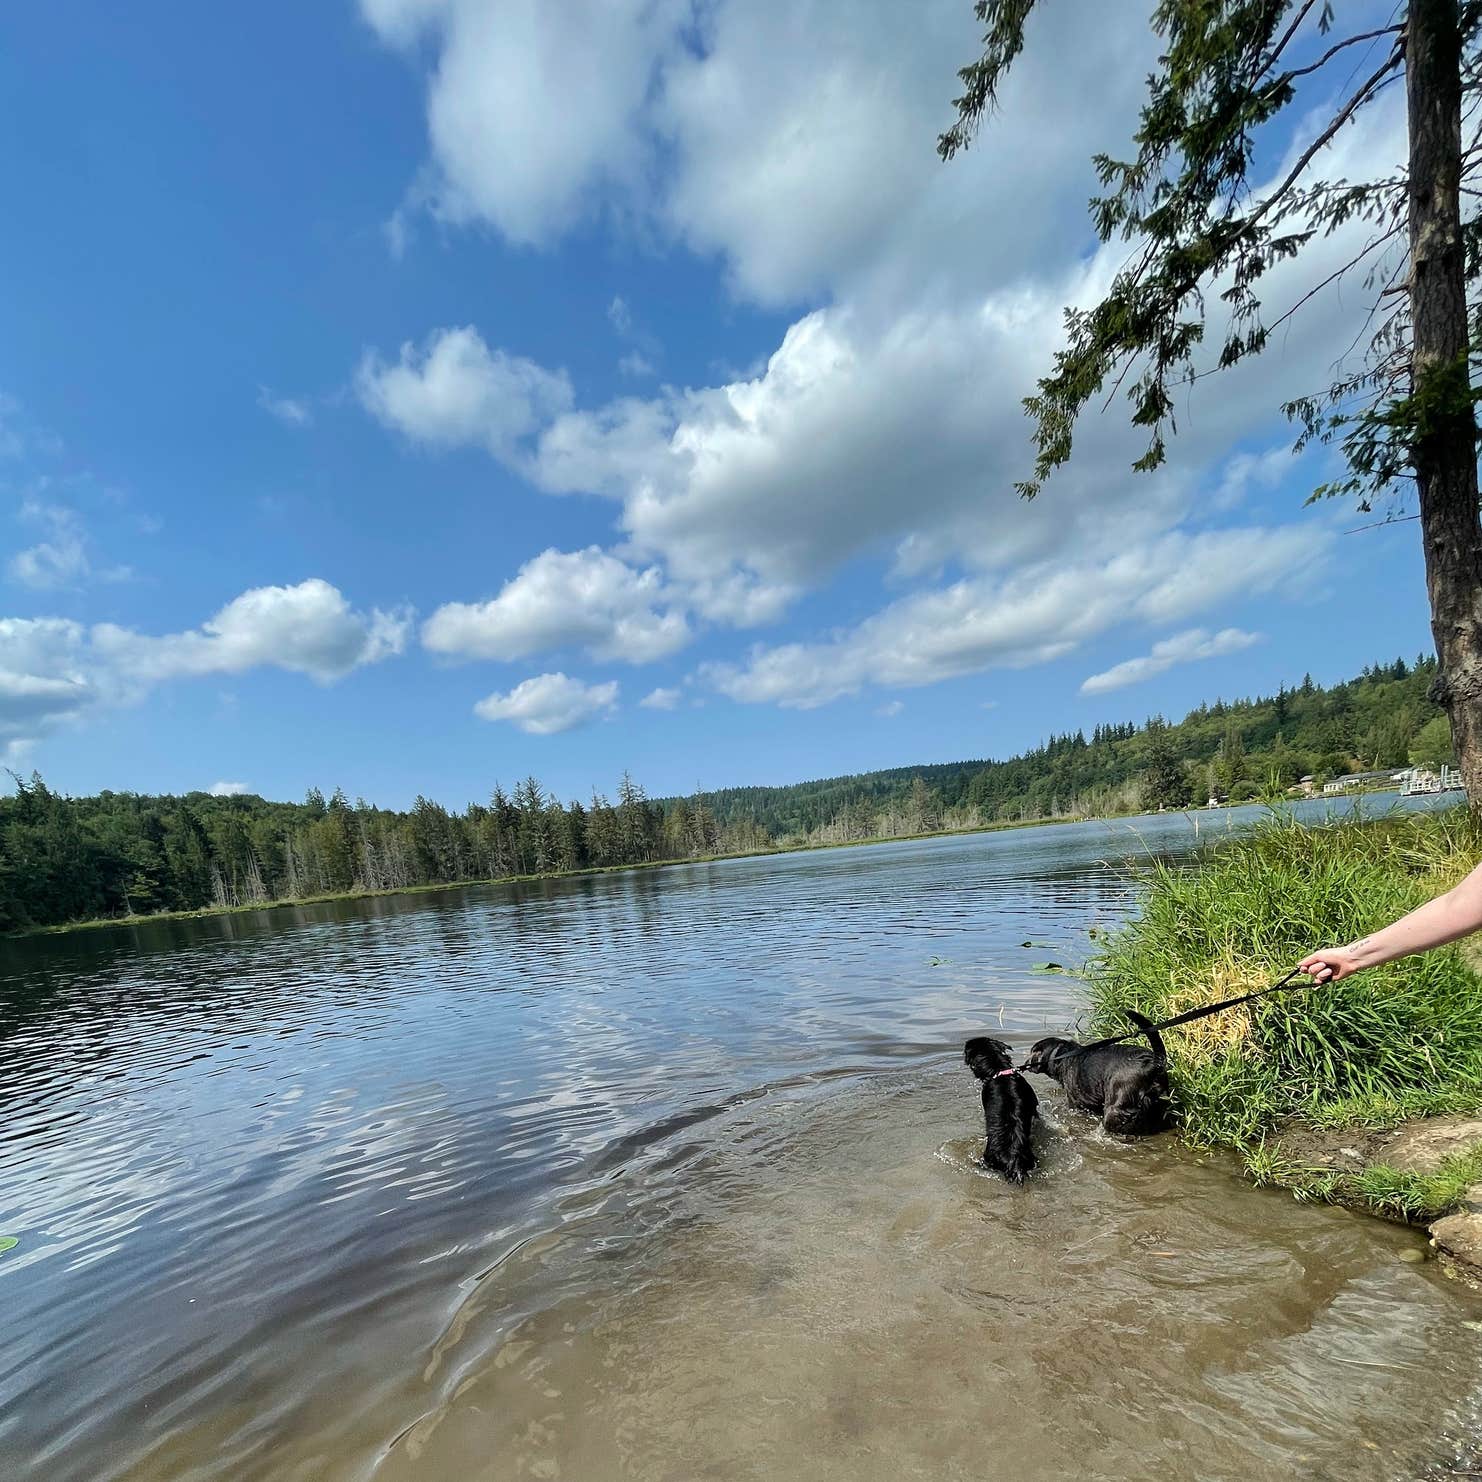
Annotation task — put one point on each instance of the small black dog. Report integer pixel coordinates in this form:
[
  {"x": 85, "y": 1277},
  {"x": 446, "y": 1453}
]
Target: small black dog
[
  {"x": 1009, "y": 1105},
  {"x": 1125, "y": 1085}
]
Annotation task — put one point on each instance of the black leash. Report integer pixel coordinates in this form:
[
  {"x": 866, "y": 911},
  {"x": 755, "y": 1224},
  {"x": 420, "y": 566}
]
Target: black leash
[{"x": 1284, "y": 986}]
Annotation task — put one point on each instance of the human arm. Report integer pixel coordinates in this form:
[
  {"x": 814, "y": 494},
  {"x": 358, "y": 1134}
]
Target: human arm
[{"x": 1454, "y": 914}]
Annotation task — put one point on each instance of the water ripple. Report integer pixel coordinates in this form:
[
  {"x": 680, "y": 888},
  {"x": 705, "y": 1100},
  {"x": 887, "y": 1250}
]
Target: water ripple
[{"x": 284, "y": 1182}]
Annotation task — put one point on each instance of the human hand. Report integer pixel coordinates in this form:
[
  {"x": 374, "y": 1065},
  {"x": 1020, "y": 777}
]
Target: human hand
[{"x": 1330, "y": 965}]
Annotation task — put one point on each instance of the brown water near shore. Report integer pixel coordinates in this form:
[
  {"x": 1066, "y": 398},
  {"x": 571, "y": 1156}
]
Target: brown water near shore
[{"x": 835, "y": 1291}]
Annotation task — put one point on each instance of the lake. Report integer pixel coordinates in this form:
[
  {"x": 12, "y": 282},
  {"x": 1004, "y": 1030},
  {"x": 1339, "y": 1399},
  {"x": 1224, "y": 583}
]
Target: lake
[{"x": 660, "y": 1175}]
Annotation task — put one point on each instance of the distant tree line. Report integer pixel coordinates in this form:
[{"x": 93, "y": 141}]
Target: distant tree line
[
  {"x": 1229, "y": 749},
  {"x": 120, "y": 854}
]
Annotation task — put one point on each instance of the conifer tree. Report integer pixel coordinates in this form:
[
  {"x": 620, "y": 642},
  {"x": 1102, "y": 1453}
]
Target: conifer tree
[{"x": 1204, "y": 228}]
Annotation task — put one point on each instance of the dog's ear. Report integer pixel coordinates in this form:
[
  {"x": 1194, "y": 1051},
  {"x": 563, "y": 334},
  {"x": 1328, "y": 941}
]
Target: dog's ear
[{"x": 985, "y": 1057}]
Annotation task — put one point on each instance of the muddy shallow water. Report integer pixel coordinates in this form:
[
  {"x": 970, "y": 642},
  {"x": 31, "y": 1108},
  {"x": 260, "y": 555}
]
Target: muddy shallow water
[
  {"x": 829, "y": 1291},
  {"x": 659, "y": 1176}
]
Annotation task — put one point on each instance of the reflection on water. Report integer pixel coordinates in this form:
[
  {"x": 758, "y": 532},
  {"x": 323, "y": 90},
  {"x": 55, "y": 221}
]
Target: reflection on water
[
  {"x": 821, "y": 1299},
  {"x": 654, "y": 1175}
]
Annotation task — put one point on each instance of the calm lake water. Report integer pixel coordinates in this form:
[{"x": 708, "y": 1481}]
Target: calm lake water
[{"x": 666, "y": 1176}]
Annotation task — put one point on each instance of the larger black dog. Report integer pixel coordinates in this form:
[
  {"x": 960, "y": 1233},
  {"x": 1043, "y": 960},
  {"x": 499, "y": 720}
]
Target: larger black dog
[
  {"x": 1125, "y": 1085},
  {"x": 1009, "y": 1105}
]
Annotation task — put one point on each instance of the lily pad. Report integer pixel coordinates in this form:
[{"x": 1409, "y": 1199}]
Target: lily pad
[{"x": 8, "y": 1242}]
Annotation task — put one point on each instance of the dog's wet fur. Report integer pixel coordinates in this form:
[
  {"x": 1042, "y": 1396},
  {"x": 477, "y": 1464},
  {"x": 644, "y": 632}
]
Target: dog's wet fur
[
  {"x": 1009, "y": 1105},
  {"x": 1125, "y": 1085}
]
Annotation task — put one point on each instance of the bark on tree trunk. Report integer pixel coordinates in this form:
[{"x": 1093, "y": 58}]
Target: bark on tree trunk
[{"x": 1444, "y": 454}]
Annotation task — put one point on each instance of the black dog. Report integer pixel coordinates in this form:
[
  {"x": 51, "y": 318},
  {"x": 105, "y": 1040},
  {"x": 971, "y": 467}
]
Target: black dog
[
  {"x": 1009, "y": 1105},
  {"x": 1125, "y": 1085}
]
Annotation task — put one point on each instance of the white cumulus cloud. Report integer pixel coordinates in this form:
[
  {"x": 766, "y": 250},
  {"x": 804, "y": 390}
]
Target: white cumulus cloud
[
  {"x": 661, "y": 699},
  {"x": 859, "y": 439},
  {"x": 549, "y": 704},
  {"x": 456, "y": 392},
  {"x": 565, "y": 599},
  {"x": 43, "y": 677},
  {"x": 539, "y": 117},
  {"x": 54, "y": 671},
  {"x": 309, "y": 629},
  {"x": 1036, "y": 615},
  {"x": 886, "y": 425},
  {"x": 228, "y": 789},
  {"x": 1181, "y": 648},
  {"x": 533, "y": 108}
]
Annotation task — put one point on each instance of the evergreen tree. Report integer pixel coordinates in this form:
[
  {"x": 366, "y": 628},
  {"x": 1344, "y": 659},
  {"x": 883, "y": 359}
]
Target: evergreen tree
[
  {"x": 1229, "y": 769},
  {"x": 505, "y": 830},
  {"x": 604, "y": 840},
  {"x": 635, "y": 831},
  {"x": 1205, "y": 231},
  {"x": 1165, "y": 782},
  {"x": 704, "y": 834},
  {"x": 572, "y": 846}
]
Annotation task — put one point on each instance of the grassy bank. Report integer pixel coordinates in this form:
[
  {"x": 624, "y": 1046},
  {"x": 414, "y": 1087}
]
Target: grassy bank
[{"x": 1393, "y": 1043}]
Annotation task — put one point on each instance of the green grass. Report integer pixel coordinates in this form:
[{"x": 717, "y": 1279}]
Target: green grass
[
  {"x": 1392, "y": 1043},
  {"x": 1420, "y": 1197},
  {"x": 1416, "y": 1198}
]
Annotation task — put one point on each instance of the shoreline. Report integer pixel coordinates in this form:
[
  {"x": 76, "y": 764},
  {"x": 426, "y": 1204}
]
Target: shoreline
[
  {"x": 1334, "y": 1096},
  {"x": 203, "y": 913}
]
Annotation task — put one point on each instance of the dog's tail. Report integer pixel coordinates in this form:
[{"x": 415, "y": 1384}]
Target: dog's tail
[{"x": 1160, "y": 1055}]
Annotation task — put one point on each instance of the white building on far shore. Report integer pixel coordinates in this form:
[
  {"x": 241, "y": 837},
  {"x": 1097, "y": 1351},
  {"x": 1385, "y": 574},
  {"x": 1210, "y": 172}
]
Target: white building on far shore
[{"x": 1384, "y": 778}]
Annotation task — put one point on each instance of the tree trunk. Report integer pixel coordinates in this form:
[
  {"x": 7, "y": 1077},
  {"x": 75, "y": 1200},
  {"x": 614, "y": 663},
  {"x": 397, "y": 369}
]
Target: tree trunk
[{"x": 1444, "y": 449}]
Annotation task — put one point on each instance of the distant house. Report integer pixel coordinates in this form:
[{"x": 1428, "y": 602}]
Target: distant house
[
  {"x": 1354, "y": 780},
  {"x": 1304, "y": 787},
  {"x": 1417, "y": 781}
]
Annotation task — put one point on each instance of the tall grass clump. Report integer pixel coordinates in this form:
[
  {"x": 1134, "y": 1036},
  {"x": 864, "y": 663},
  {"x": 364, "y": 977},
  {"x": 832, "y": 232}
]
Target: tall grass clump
[{"x": 1397, "y": 1041}]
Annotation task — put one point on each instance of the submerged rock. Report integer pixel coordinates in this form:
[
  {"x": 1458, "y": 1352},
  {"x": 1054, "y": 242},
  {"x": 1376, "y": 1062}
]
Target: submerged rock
[
  {"x": 1420, "y": 1147},
  {"x": 1458, "y": 1237}
]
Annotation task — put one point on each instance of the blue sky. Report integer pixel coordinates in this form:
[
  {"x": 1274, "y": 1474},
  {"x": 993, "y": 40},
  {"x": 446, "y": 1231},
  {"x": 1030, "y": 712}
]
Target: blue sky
[{"x": 398, "y": 395}]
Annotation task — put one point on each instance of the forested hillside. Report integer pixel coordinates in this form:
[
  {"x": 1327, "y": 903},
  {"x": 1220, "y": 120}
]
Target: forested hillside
[
  {"x": 1230, "y": 748},
  {"x": 67, "y": 859}
]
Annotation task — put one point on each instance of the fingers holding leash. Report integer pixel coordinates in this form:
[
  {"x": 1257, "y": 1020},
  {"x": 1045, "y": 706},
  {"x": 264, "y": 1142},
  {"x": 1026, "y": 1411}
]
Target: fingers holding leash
[{"x": 1330, "y": 965}]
